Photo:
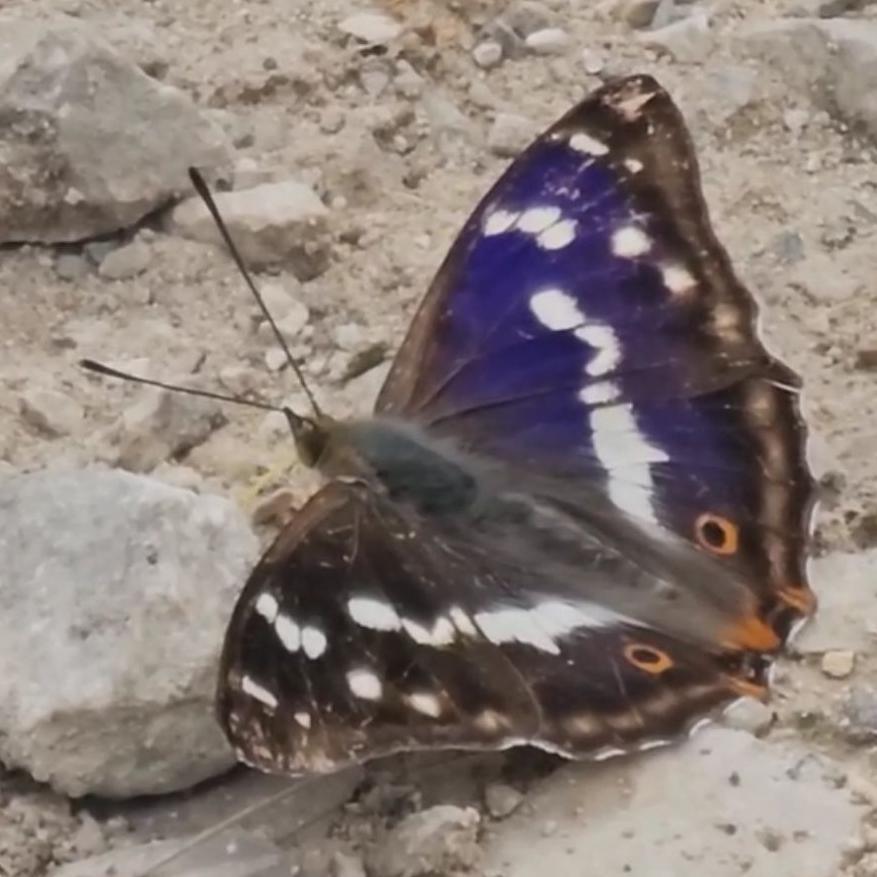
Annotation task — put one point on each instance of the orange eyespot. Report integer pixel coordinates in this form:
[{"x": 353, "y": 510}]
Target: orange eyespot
[
  {"x": 647, "y": 658},
  {"x": 716, "y": 534}
]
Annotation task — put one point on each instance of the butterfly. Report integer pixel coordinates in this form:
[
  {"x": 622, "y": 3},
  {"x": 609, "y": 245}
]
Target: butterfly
[{"x": 578, "y": 517}]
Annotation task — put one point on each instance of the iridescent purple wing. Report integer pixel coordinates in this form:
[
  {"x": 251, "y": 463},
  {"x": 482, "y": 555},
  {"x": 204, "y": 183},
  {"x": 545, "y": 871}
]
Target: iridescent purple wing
[{"x": 588, "y": 324}]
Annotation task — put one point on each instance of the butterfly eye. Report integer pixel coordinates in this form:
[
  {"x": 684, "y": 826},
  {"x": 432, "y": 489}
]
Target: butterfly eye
[
  {"x": 647, "y": 658},
  {"x": 716, "y": 534}
]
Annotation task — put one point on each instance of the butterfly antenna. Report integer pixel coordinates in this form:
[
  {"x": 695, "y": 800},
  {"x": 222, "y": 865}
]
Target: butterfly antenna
[
  {"x": 101, "y": 369},
  {"x": 207, "y": 197}
]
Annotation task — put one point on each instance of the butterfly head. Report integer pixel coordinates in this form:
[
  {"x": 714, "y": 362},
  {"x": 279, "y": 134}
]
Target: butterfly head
[{"x": 311, "y": 436}]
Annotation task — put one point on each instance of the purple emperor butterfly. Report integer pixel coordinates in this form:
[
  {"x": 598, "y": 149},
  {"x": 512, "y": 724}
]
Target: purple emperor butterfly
[{"x": 578, "y": 517}]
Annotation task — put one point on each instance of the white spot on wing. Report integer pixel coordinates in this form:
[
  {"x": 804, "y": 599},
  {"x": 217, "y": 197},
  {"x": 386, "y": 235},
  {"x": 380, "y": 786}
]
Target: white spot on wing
[
  {"x": 364, "y": 684},
  {"x": 313, "y": 641},
  {"x": 556, "y": 310},
  {"x": 599, "y": 393},
  {"x": 258, "y": 692},
  {"x": 373, "y": 614},
  {"x": 582, "y": 142},
  {"x": 442, "y": 632},
  {"x": 630, "y": 242},
  {"x": 558, "y": 236},
  {"x": 677, "y": 279},
  {"x": 537, "y": 219},
  {"x": 626, "y": 454},
  {"x": 288, "y": 632},
  {"x": 605, "y": 343},
  {"x": 499, "y": 221},
  {"x": 515, "y": 624},
  {"x": 425, "y": 703},
  {"x": 267, "y": 606},
  {"x": 304, "y": 719},
  {"x": 634, "y": 165}
]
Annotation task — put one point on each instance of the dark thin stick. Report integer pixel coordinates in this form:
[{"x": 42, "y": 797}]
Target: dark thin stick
[
  {"x": 101, "y": 369},
  {"x": 201, "y": 188}
]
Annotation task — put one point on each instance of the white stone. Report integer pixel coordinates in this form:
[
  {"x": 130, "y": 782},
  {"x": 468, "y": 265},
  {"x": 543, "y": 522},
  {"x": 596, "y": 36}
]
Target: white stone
[
  {"x": 510, "y": 134},
  {"x": 548, "y": 41},
  {"x": 275, "y": 223},
  {"x": 502, "y": 800},
  {"x": 487, "y": 54},
  {"x": 125, "y": 262},
  {"x": 838, "y": 664},
  {"x": 371, "y": 27},
  {"x": 125, "y": 605},
  {"x": 50, "y": 412}
]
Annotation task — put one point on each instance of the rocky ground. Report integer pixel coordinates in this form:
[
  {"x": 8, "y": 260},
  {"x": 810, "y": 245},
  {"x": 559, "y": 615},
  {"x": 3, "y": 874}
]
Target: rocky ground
[{"x": 348, "y": 144}]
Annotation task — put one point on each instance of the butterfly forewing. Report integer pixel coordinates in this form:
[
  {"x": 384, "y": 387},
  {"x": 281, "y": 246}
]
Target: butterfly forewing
[{"x": 587, "y": 319}]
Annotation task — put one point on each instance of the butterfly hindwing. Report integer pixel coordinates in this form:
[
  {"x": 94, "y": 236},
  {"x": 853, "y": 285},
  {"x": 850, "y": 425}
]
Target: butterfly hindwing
[{"x": 358, "y": 635}]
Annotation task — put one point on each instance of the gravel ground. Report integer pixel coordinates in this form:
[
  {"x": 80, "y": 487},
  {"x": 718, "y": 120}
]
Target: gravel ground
[{"x": 399, "y": 138}]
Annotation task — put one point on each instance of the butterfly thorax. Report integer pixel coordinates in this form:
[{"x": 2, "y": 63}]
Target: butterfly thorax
[{"x": 402, "y": 463}]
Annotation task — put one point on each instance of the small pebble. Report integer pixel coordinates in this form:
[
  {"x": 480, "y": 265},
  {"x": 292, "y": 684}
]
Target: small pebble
[
  {"x": 125, "y": 262},
  {"x": 51, "y": 413},
  {"x": 349, "y": 336},
  {"x": 487, "y": 54},
  {"x": 502, "y": 800},
  {"x": 549, "y": 41},
  {"x": 344, "y": 865},
  {"x": 796, "y": 120},
  {"x": 279, "y": 300},
  {"x": 70, "y": 267},
  {"x": 371, "y": 27},
  {"x": 592, "y": 62},
  {"x": 509, "y": 134},
  {"x": 331, "y": 120},
  {"x": 838, "y": 664},
  {"x": 638, "y": 13},
  {"x": 275, "y": 359}
]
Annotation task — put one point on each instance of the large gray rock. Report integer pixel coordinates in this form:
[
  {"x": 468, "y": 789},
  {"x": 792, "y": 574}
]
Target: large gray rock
[
  {"x": 834, "y": 59},
  {"x": 723, "y": 804},
  {"x": 115, "y": 591},
  {"x": 88, "y": 142}
]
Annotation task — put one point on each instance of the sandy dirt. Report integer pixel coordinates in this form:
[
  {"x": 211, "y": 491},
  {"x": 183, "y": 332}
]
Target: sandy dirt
[{"x": 401, "y": 158}]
